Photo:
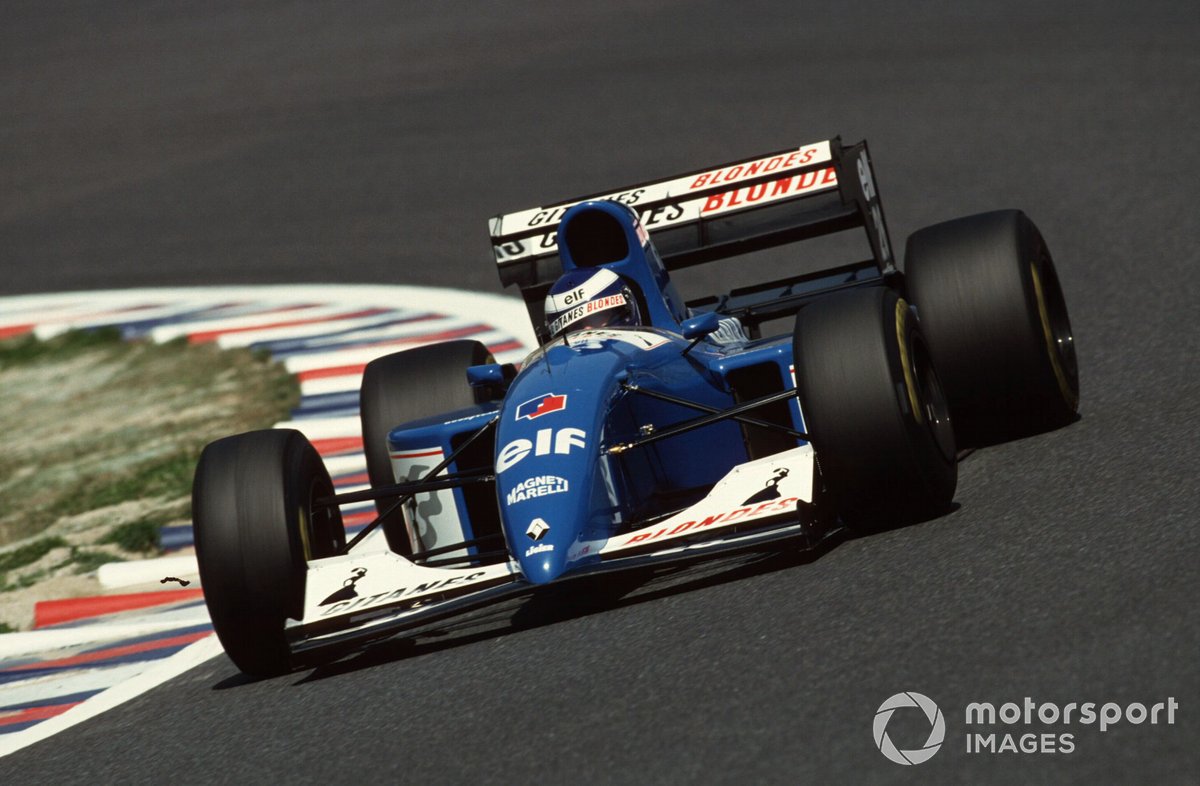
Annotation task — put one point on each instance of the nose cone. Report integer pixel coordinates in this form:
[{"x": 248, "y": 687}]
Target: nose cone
[
  {"x": 545, "y": 546},
  {"x": 543, "y": 562},
  {"x": 547, "y": 456}
]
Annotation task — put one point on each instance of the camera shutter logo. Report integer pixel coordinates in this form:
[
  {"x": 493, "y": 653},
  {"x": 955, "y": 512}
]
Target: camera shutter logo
[{"x": 937, "y": 732}]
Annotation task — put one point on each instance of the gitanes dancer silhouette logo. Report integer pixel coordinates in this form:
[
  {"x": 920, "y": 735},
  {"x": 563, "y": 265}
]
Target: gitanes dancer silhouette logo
[{"x": 937, "y": 732}]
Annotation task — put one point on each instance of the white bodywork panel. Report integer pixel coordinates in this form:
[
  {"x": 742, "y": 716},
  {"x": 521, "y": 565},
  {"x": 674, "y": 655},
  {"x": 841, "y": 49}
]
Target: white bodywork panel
[
  {"x": 357, "y": 582},
  {"x": 432, "y": 518},
  {"x": 760, "y": 489},
  {"x": 693, "y": 197},
  {"x": 756, "y": 491}
]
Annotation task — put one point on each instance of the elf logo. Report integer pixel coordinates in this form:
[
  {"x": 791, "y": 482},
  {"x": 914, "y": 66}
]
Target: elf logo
[
  {"x": 562, "y": 441},
  {"x": 541, "y": 405}
]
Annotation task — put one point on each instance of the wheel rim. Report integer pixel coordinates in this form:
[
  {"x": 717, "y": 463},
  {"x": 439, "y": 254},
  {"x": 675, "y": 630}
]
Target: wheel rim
[
  {"x": 305, "y": 526},
  {"x": 318, "y": 530},
  {"x": 933, "y": 401},
  {"x": 1056, "y": 329}
]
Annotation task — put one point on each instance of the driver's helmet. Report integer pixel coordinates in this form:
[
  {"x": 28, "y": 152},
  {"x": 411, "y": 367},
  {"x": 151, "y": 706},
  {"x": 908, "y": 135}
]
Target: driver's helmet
[{"x": 589, "y": 298}]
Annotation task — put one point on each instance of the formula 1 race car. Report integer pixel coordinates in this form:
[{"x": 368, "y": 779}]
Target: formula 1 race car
[{"x": 646, "y": 429}]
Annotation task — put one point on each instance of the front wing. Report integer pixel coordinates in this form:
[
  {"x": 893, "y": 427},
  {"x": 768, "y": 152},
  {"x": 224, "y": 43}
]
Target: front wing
[{"x": 371, "y": 594}]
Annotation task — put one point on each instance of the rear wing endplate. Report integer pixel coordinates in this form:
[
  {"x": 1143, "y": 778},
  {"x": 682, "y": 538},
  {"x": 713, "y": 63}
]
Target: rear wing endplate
[{"x": 717, "y": 212}]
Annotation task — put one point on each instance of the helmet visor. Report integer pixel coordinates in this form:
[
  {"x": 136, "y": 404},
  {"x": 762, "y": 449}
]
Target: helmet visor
[{"x": 600, "y": 312}]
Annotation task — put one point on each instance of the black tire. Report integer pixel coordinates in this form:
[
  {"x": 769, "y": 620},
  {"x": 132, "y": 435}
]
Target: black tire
[
  {"x": 255, "y": 529},
  {"x": 874, "y": 409},
  {"x": 410, "y": 385},
  {"x": 994, "y": 315}
]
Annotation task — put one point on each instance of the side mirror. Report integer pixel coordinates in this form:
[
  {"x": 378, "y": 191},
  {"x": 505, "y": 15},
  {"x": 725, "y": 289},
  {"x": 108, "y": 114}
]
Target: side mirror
[
  {"x": 488, "y": 374},
  {"x": 699, "y": 326},
  {"x": 491, "y": 378}
]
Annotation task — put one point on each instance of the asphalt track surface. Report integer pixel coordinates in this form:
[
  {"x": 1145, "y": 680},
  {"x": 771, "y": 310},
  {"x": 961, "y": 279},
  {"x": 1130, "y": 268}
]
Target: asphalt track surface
[{"x": 215, "y": 143}]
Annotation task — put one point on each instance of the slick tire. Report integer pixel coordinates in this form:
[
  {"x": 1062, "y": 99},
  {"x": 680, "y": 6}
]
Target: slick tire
[
  {"x": 256, "y": 527},
  {"x": 874, "y": 409},
  {"x": 996, "y": 321},
  {"x": 410, "y": 385}
]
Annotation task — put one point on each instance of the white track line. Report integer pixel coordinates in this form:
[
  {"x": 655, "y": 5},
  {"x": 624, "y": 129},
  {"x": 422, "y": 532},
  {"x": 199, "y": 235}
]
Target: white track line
[
  {"x": 336, "y": 358},
  {"x": 187, "y": 658},
  {"x": 344, "y": 465},
  {"x": 48, "y": 687},
  {"x": 325, "y": 428},
  {"x": 146, "y": 571},
  {"x": 270, "y": 313},
  {"x": 338, "y": 321},
  {"x": 34, "y": 642},
  {"x": 49, "y": 328}
]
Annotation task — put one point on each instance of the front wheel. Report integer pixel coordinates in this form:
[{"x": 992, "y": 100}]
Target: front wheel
[
  {"x": 874, "y": 408},
  {"x": 256, "y": 528},
  {"x": 404, "y": 386}
]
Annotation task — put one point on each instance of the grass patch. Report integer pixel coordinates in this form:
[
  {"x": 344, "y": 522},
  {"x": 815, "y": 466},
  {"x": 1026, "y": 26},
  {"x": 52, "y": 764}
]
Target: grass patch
[
  {"x": 87, "y": 561},
  {"x": 29, "y": 553},
  {"x": 23, "y": 581},
  {"x": 170, "y": 476},
  {"x": 80, "y": 560},
  {"x": 136, "y": 536},
  {"x": 30, "y": 349},
  {"x": 92, "y": 421}
]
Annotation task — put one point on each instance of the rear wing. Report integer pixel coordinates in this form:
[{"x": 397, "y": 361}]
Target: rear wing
[{"x": 717, "y": 212}]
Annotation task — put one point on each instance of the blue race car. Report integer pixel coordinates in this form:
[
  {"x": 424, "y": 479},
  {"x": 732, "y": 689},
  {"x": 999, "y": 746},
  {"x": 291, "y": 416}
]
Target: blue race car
[{"x": 646, "y": 429}]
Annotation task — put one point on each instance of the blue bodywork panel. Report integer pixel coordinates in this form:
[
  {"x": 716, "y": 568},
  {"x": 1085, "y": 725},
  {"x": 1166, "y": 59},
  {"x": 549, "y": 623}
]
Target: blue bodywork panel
[{"x": 559, "y": 492}]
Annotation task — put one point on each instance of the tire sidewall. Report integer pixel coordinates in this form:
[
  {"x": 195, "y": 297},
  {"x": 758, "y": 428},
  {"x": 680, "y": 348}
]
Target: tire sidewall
[
  {"x": 252, "y": 501},
  {"x": 855, "y": 354},
  {"x": 972, "y": 280}
]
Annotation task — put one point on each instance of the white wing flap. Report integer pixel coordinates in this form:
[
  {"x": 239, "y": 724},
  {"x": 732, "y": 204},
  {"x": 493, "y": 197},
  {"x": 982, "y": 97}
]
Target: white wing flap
[
  {"x": 739, "y": 186},
  {"x": 758, "y": 490}
]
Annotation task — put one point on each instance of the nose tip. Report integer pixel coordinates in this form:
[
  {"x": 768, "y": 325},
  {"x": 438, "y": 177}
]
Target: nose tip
[{"x": 543, "y": 566}]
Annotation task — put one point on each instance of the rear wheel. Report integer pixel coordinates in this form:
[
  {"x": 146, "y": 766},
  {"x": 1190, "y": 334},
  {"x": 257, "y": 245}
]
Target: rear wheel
[
  {"x": 410, "y": 385},
  {"x": 256, "y": 527},
  {"x": 994, "y": 314},
  {"x": 874, "y": 408}
]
